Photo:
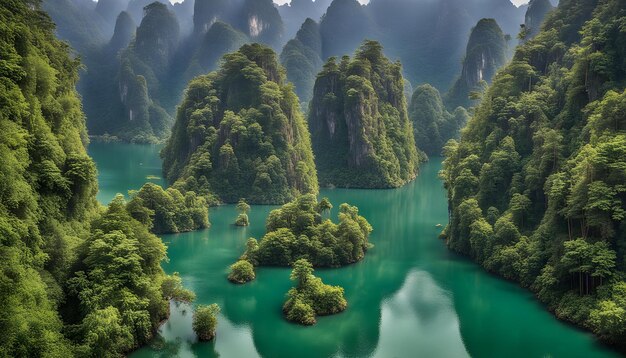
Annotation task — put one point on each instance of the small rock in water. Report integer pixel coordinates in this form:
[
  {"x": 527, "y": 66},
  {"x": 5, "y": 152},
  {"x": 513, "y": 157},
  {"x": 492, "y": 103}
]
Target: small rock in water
[{"x": 438, "y": 225}]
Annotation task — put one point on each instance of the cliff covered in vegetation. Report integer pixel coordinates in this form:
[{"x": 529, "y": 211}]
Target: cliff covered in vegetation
[
  {"x": 239, "y": 133},
  {"x": 361, "y": 132},
  {"x": 75, "y": 279},
  {"x": 485, "y": 54},
  {"x": 536, "y": 183}
]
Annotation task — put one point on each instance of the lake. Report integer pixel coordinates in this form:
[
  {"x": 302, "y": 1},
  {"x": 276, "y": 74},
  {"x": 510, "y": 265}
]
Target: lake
[{"x": 409, "y": 297}]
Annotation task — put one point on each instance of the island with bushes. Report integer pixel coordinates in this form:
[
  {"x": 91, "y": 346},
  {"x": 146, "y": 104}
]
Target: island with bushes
[
  {"x": 311, "y": 297},
  {"x": 298, "y": 230}
]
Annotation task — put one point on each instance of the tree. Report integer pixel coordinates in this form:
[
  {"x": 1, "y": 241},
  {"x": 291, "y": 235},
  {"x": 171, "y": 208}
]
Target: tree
[
  {"x": 243, "y": 208},
  {"x": 241, "y": 271},
  {"x": 310, "y": 296},
  {"x": 105, "y": 334},
  {"x": 172, "y": 288},
  {"x": 324, "y": 206},
  {"x": 205, "y": 321}
]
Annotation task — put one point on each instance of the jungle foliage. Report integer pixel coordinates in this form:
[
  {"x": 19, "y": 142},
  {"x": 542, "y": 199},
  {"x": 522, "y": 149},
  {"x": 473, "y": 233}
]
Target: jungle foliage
[
  {"x": 536, "y": 183},
  {"x": 239, "y": 133},
  {"x": 362, "y": 136}
]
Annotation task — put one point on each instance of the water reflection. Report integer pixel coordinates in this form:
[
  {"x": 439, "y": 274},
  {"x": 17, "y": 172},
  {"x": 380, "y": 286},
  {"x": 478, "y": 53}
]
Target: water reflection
[{"x": 409, "y": 297}]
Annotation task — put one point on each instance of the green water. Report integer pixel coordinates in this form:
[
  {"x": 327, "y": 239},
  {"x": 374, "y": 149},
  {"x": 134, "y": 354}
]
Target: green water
[{"x": 410, "y": 297}]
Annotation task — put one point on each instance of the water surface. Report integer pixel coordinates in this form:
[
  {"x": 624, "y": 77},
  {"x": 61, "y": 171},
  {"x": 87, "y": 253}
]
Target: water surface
[{"x": 410, "y": 296}]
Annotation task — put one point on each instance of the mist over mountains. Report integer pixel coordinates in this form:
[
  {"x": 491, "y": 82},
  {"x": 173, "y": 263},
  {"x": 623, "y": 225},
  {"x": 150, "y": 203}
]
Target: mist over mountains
[{"x": 136, "y": 70}]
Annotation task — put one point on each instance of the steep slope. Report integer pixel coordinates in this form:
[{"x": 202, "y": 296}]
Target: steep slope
[
  {"x": 485, "y": 54},
  {"x": 144, "y": 76},
  {"x": 218, "y": 41},
  {"x": 239, "y": 133},
  {"x": 75, "y": 279},
  {"x": 301, "y": 57},
  {"x": 535, "y": 14},
  {"x": 110, "y": 9},
  {"x": 297, "y": 11},
  {"x": 361, "y": 133},
  {"x": 124, "y": 32},
  {"x": 258, "y": 19},
  {"x": 433, "y": 125},
  {"x": 344, "y": 27},
  {"x": 536, "y": 184}
]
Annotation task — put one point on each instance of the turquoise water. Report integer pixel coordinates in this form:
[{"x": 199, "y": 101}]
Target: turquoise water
[{"x": 410, "y": 296}]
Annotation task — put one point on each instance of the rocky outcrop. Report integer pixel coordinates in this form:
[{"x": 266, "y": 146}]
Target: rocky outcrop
[
  {"x": 124, "y": 32},
  {"x": 360, "y": 129},
  {"x": 485, "y": 54},
  {"x": 535, "y": 14},
  {"x": 258, "y": 19},
  {"x": 302, "y": 59}
]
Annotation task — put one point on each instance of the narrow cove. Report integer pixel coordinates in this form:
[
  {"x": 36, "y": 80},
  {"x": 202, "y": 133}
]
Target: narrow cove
[{"x": 409, "y": 297}]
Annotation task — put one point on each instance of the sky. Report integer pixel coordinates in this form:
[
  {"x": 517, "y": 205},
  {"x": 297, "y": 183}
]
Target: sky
[{"x": 516, "y": 2}]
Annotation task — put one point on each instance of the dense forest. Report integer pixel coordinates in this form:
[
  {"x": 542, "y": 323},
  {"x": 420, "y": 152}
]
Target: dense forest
[
  {"x": 75, "y": 278},
  {"x": 536, "y": 183},
  {"x": 239, "y": 133},
  {"x": 362, "y": 136}
]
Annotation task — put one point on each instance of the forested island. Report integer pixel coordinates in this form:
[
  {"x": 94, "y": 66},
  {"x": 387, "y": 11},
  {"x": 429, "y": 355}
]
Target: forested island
[
  {"x": 536, "y": 183},
  {"x": 239, "y": 133},
  {"x": 362, "y": 136},
  {"x": 301, "y": 229},
  {"x": 311, "y": 297}
]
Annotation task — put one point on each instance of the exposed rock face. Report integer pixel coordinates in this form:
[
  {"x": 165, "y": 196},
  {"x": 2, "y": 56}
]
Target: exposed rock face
[
  {"x": 239, "y": 133},
  {"x": 535, "y": 14},
  {"x": 344, "y": 26},
  {"x": 157, "y": 37},
  {"x": 302, "y": 59},
  {"x": 358, "y": 118},
  {"x": 144, "y": 69},
  {"x": 125, "y": 29},
  {"x": 258, "y": 19},
  {"x": 262, "y": 22},
  {"x": 485, "y": 54}
]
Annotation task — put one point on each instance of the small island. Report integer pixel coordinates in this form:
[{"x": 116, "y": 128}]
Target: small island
[
  {"x": 241, "y": 271},
  {"x": 205, "y": 321},
  {"x": 302, "y": 229},
  {"x": 311, "y": 297},
  {"x": 243, "y": 208}
]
